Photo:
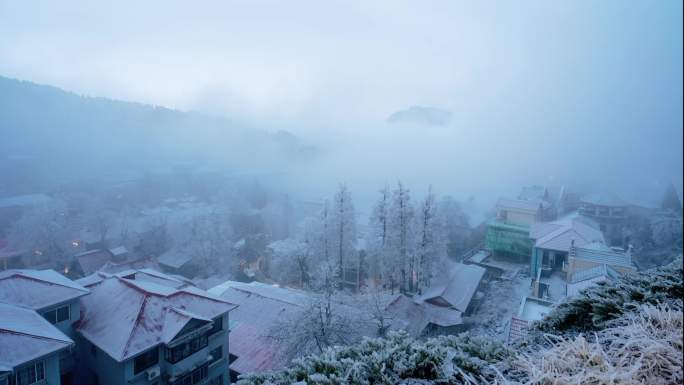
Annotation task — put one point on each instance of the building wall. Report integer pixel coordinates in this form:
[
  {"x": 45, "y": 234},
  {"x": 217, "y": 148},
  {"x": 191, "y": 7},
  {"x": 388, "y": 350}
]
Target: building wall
[{"x": 94, "y": 362}]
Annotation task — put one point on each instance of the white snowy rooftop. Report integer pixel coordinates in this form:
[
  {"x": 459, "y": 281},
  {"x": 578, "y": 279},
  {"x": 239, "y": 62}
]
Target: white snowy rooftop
[
  {"x": 414, "y": 316},
  {"x": 174, "y": 258},
  {"x": 130, "y": 312},
  {"x": 559, "y": 235},
  {"x": 261, "y": 308},
  {"x": 37, "y": 289},
  {"x": 459, "y": 289},
  {"x": 25, "y": 336}
]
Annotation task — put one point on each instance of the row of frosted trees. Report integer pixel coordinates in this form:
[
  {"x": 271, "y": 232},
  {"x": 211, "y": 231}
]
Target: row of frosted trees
[{"x": 404, "y": 241}]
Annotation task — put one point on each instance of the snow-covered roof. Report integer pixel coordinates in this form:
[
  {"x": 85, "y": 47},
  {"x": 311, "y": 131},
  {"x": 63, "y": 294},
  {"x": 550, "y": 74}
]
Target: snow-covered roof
[
  {"x": 24, "y": 200},
  {"x": 174, "y": 258},
  {"x": 37, "y": 289},
  {"x": 25, "y": 336},
  {"x": 132, "y": 311},
  {"x": 287, "y": 295},
  {"x": 261, "y": 308},
  {"x": 119, "y": 250},
  {"x": 92, "y": 260},
  {"x": 458, "y": 291},
  {"x": 414, "y": 316},
  {"x": 560, "y": 234}
]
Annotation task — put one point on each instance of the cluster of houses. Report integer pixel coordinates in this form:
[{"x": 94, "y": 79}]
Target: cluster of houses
[
  {"x": 569, "y": 243},
  {"x": 133, "y": 327}
]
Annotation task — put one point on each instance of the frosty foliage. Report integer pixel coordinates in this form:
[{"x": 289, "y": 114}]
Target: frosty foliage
[
  {"x": 644, "y": 347},
  {"x": 397, "y": 359},
  {"x": 604, "y": 302}
]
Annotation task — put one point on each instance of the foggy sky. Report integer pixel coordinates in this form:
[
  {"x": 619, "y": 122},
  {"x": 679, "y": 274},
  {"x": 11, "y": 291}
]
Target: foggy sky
[{"x": 541, "y": 92}]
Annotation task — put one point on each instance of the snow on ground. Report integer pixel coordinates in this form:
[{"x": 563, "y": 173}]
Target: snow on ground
[{"x": 501, "y": 301}]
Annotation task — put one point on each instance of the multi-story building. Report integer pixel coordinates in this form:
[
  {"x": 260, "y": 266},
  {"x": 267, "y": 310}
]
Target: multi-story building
[
  {"x": 30, "y": 348},
  {"x": 55, "y": 298},
  {"x": 145, "y": 327},
  {"x": 610, "y": 212},
  {"x": 508, "y": 235}
]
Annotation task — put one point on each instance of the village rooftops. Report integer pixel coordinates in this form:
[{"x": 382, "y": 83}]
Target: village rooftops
[
  {"x": 560, "y": 234},
  {"x": 136, "y": 310},
  {"x": 37, "y": 289},
  {"x": 26, "y": 336},
  {"x": 458, "y": 290}
]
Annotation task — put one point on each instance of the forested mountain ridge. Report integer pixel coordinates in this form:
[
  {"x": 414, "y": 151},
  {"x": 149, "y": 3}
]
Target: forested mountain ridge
[{"x": 46, "y": 122}]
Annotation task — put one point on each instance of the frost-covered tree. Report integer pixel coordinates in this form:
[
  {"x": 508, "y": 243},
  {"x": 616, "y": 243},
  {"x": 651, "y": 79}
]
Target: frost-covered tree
[
  {"x": 376, "y": 237},
  {"x": 343, "y": 230},
  {"x": 209, "y": 240},
  {"x": 325, "y": 322},
  {"x": 431, "y": 242},
  {"x": 401, "y": 262},
  {"x": 290, "y": 262}
]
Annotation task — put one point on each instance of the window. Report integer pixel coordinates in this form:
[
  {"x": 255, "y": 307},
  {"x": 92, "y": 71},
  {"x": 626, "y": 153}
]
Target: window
[
  {"x": 29, "y": 374},
  {"x": 146, "y": 360},
  {"x": 186, "y": 349},
  {"x": 59, "y": 314},
  {"x": 218, "y": 380},
  {"x": 216, "y": 354},
  {"x": 195, "y": 377},
  {"x": 218, "y": 325}
]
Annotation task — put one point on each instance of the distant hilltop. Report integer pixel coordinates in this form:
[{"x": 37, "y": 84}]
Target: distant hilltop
[{"x": 421, "y": 115}]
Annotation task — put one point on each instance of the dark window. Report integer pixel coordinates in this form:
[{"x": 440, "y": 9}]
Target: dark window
[
  {"x": 186, "y": 349},
  {"x": 51, "y": 316},
  {"x": 216, "y": 354},
  {"x": 217, "y": 327},
  {"x": 57, "y": 315},
  {"x": 63, "y": 313},
  {"x": 146, "y": 360}
]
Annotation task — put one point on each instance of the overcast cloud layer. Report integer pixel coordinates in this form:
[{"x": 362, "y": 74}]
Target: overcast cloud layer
[{"x": 539, "y": 91}]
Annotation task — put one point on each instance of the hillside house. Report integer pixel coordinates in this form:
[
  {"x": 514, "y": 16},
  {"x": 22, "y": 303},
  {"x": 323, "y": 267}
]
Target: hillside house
[
  {"x": 423, "y": 319},
  {"x": 459, "y": 290},
  {"x": 146, "y": 327}
]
